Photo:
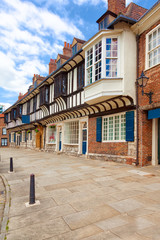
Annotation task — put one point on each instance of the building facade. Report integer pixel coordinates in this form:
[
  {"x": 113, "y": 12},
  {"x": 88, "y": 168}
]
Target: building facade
[
  {"x": 148, "y": 30},
  {"x": 4, "y": 136},
  {"x": 89, "y": 104}
]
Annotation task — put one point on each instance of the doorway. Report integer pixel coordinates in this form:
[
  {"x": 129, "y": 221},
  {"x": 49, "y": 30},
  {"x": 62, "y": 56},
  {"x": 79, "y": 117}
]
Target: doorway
[
  {"x": 158, "y": 140},
  {"x": 18, "y": 140},
  {"x": 84, "y": 139},
  {"x": 60, "y": 141}
]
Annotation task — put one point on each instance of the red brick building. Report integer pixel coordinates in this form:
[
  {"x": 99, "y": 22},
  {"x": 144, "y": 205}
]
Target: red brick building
[
  {"x": 4, "y": 136},
  {"x": 148, "y": 51}
]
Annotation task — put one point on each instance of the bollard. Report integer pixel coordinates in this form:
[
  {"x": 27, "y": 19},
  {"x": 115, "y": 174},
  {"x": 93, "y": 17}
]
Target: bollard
[
  {"x": 32, "y": 190},
  {"x": 11, "y": 164}
]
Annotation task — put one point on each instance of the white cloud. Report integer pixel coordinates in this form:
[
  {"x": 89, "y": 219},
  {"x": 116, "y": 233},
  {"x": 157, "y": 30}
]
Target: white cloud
[
  {"x": 5, "y": 105},
  {"x": 92, "y": 2},
  {"x": 28, "y": 35}
]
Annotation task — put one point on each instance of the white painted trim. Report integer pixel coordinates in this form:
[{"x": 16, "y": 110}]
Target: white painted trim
[{"x": 146, "y": 53}]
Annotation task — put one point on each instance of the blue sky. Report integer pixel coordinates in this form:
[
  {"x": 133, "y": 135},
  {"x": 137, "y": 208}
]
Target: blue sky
[{"x": 34, "y": 31}]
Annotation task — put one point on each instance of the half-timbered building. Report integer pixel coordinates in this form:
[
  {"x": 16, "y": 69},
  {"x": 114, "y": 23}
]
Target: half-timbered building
[{"x": 87, "y": 103}]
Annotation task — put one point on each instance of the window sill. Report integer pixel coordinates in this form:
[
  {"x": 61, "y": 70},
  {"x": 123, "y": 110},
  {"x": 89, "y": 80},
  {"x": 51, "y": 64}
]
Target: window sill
[
  {"x": 149, "y": 68},
  {"x": 114, "y": 141},
  {"x": 51, "y": 143},
  {"x": 71, "y": 144}
]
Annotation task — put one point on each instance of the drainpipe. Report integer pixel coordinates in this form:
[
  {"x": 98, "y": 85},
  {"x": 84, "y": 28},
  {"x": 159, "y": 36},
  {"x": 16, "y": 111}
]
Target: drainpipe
[{"x": 137, "y": 104}]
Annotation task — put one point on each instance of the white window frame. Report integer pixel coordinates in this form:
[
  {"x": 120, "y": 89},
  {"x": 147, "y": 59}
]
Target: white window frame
[
  {"x": 108, "y": 116},
  {"x": 103, "y": 59},
  {"x": 152, "y": 50},
  {"x": 89, "y": 66},
  {"x": 65, "y": 134},
  {"x": 111, "y": 57}
]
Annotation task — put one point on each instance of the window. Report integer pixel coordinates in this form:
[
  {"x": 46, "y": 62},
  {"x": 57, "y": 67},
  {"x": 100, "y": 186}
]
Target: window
[
  {"x": 111, "y": 57},
  {"x": 59, "y": 63},
  {"x": 80, "y": 76},
  {"x": 74, "y": 49},
  {"x": 4, "y": 142},
  {"x": 114, "y": 128},
  {"x": 60, "y": 85},
  {"x": 154, "y": 47},
  {"x": 103, "y": 24},
  {"x": 28, "y": 107},
  {"x": 98, "y": 56},
  {"x": 71, "y": 132},
  {"x": 4, "y": 131},
  {"x": 89, "y": 65},
  {"x": 6, "y": 118},
  {"x": 23, "y": 136},
  {"x": 34, "y": 103},
  {"x": 52, "y": 134}
]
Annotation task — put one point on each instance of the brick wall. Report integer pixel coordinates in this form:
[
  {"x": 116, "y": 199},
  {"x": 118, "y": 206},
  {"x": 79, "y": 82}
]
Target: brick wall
[
  {"x": 145, "y": 125},
  {"x": 116, "y": 151},
  {"x": 2, "y": 125}
]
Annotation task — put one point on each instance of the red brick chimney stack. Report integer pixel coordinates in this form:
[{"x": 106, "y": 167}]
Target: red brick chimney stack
[
  {"x": 116, "y": 6},
  {"x": 52, "y": 65},
  {"x": 20, "y": 96},
  {"x": 67, "y": 50}
]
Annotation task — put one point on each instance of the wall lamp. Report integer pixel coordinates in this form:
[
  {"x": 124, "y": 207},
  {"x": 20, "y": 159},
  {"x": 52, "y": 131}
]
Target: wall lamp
[{"x": 142, "y": 82}]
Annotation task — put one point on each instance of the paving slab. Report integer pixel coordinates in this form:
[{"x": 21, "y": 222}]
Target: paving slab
[{"x": 80, "y": 198}]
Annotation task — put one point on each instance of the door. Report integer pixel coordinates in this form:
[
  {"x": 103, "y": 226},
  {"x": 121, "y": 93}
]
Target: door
[
  {"x": 84, "y": 141},
  {"x": 158, "y": 140},
  {"x": 60, "y": 141},
  {"x": 18, "y": 140}
]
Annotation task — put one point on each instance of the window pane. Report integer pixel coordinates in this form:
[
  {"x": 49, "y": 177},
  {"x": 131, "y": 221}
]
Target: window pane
[
  {"x": 110, "y": 128},
  {"x": 72, "y": 132},
  {"x": 116, "y": 127},
  {"x": 105, "y": 129},
  {"x": 123, "y": 127}
]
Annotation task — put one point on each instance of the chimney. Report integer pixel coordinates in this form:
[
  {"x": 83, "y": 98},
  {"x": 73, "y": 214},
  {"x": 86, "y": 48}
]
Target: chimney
[
  {"x": 20, "y": 96},
  {"x": 67, "y": 50},
  {"x": 52, "y": 65},
  {"x": 116, "y": 6}
]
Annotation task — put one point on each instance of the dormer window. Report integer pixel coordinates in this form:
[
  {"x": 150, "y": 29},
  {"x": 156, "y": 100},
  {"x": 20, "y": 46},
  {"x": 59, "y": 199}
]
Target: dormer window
[
  {"x": 103, "y": 24},
  {"x": 74, "y": 49},
  {"x": 59, "y": 63}
]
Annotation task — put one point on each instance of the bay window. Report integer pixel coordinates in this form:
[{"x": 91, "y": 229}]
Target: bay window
[
  {"x": 111, "y": 57},
  {"x": 98, "y": 56},
  {"x": 114, "y": 128},
  {"x": 153, "y": 53},
  {"x": 89, "y": 65},
  {"x": 102, "y": 54}
]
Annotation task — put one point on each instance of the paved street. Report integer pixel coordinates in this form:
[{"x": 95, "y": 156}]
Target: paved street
[{"x": 81, "y": 199}]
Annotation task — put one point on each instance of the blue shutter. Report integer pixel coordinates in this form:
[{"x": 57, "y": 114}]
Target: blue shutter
[
  {"x": 130, "y": 126},
  {"x": 14, "y": 137},
  {"x": 99, "y": 129},
  {"x": 9, "y": 137}
]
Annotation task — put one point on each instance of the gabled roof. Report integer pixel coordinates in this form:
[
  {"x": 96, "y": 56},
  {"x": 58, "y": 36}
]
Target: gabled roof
[
  {"x": 105, "y": 14},
  {"x": 134, "y": 11},
  {"x": 62, "y": 56},
  {"x": 79, "y": 40}
]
